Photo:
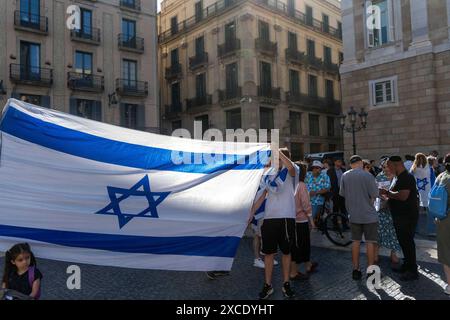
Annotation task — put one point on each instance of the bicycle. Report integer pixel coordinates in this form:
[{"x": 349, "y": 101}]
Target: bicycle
[{"x": 334, "y": 225}]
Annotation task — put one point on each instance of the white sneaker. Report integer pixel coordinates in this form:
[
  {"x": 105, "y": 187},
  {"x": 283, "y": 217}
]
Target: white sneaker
[
  {"x": 447, "y": 290},
  {"x": 275, "y": 262},
  {"x": 258, "y": 263}
]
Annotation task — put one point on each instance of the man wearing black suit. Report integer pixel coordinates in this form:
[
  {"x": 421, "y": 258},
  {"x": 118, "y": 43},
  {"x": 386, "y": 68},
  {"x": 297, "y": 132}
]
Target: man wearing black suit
[{"x": 335, "y": 173}]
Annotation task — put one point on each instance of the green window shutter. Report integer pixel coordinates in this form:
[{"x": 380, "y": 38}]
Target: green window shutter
[
  {"x": 97, "y": 112},
  {"x": 123, "y": 122},
  {"x": 140, "y": 117},
  {"x": 73, "y": 106}
]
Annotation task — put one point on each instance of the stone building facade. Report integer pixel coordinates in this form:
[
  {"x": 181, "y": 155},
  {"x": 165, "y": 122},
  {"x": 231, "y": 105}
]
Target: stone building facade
[
  {"x": 106, "y": 70},
  {"x": 400, "y": 74},
  {"x": 253, "y": 64}
]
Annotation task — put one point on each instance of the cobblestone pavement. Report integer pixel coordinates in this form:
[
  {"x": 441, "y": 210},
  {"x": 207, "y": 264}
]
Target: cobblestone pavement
[{"x": 332, "y": 281}]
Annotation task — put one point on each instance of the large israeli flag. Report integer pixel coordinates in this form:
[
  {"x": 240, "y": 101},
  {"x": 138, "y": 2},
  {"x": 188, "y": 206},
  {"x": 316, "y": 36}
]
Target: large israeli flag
[{"x": 87, "y": 192}]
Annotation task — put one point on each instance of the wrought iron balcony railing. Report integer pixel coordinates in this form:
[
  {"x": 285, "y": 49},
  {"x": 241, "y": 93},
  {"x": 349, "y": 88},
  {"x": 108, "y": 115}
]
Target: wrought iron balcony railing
[
  {"x": 198, "y": 101},
  {"x": 25, "y": 74},
  {"x": 301, "y": 18},
  {"x": 230, "y": 94},
  {"x": 90, "y": 35},
  {"x": 198, "y": 61},
  {"x": 272, "y": 93},
  {"x": 85, "y": 82},
  {"x": 173, "y": 110},
  {"x": 131, "y": 43},
  {"x": 266, "y": 47},
  {"x": 212, "y": 10},
  {"x": 126, "y": 87},
  {"x": 131, "y": 4},
  {"x": 230, "y": 47},
  {"x": 326, "y": 105},
  {"x": 295, "y": 56},
  {"x": 173, "y": 72}
]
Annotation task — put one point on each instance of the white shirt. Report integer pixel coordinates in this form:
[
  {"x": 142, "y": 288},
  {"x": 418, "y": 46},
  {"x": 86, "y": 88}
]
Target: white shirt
[{"x": 282, "y": 203}]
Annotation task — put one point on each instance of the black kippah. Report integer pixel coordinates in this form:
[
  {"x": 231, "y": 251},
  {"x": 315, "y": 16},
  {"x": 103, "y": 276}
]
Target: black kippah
[{"x": 395, "y": 159}]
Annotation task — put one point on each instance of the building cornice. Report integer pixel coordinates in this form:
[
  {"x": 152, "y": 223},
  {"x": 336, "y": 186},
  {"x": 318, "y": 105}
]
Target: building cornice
[{"x": 352, "y": 67}]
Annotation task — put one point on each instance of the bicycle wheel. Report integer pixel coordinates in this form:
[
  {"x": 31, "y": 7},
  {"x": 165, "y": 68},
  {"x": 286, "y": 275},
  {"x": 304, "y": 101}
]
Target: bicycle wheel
[{"x": 337, "y": 229}]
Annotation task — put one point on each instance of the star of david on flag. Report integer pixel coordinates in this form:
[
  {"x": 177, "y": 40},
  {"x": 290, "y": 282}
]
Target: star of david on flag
[
  {"x": 422, "y": 183},
  {"x": 142, "y": 188}
]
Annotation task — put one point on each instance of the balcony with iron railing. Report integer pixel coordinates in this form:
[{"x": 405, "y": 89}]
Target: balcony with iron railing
[
  {"x": 201, "y": 101},
  {"x": 229, "y": 48},
  {"x": 295, "y": 56},
  {"x": 314, "y": 62},
  {"x": 198, "y": 61},
  {"x": 301, "y": 18},
  {"x": 134, "y": 5},
  {"x": 314, "y": 103},
  {"x": 31, "y": 75},
  {"x": 131, "y": 43},
  {"x": 86, "y": 35},
  {"x": 266, "y": 47},
  {"x": 85, "y": 82},
  {"x": 230, "y": 94},
  {"x": 173, "y": 110},
  {"x": 126, "y": 87},
  {"x": 175, "y": 71},
  {"x": 30, "y": 22},
  {"x": 207, "y": 13},
  {"x": 330, "y": 67},
  {"x": 269, "y": 92}
]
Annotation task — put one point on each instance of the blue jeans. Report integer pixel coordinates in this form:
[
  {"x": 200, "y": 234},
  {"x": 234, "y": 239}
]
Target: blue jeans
[
  {"x": 315, "y": 210},
  {"x": 431, "y": 226}
]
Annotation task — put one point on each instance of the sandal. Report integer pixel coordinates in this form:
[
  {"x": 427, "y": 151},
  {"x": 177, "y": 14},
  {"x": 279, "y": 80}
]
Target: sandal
[
  {"x": 313, "y": 267},
  {"x": 299, "y": 276}
]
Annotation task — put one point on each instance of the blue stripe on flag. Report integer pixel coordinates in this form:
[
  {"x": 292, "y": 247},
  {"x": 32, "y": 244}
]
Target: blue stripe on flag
[
  {"x": 188, "y": 245},
  {"x": 92, "y": 147}
]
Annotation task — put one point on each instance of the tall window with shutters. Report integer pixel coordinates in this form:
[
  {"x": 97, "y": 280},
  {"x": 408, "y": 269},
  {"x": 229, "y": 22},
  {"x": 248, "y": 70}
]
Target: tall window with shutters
[
  {"x": 378, "y": 35},
  {"x": 312, "y": 86},
  {"x": 132, "y": 116},
  {"x": 292, "y": 41},
  {"x": 89, "y": 109},
  {"x": 294, "y": 83}
]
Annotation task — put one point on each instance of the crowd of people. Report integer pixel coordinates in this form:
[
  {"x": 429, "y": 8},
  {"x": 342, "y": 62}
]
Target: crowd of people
[{"x": 382, "y": 204}]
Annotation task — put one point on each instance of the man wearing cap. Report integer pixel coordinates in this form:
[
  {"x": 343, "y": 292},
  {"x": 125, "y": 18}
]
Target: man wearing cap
[
  {"x": 318, "y": 184},
  {"x": 360, "y": 190},
  {"x": 404, "y": 205}
]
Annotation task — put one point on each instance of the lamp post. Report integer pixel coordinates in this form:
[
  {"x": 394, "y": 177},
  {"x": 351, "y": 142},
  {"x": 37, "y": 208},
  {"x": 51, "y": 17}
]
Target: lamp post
[
  {"x": 353, "y": 128},
  {"x": 112, "y": 99}
]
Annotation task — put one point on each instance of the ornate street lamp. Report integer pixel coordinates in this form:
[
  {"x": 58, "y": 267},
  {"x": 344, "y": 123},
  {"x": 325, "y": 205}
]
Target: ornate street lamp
[{"x": 353, "y": 128}]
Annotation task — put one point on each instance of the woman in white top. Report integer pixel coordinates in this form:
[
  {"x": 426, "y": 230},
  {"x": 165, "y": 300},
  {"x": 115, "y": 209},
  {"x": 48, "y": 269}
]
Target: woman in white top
[{"x": 422, "y": 172}]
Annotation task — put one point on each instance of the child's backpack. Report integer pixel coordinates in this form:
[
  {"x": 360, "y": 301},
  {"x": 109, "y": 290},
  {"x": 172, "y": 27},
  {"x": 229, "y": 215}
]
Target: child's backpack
[
  {"x": 438, "y": 201},
  {"x": 31, "y": 279}
]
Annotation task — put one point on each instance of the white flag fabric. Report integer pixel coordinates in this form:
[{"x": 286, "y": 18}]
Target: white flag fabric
[{"x": 87, "y": 192}]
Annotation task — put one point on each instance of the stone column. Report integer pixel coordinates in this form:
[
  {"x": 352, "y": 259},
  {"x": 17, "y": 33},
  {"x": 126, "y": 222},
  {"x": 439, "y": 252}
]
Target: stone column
[
  {"x": 419, "y": 23},
  {"x": 348, "y": 32},
  {"x": 448, "y": 17}
]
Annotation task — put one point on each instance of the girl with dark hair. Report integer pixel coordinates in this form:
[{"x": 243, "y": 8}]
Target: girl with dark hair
[{"x": 20, "y": 273}]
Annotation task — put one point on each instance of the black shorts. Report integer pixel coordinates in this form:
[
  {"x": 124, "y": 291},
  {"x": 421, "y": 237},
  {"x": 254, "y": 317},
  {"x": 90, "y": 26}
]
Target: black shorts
[{"x": 278, "y": 233}]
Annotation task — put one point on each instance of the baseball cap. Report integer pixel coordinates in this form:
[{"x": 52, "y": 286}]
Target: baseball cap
[
  {"x": 355, "y": 158},
  {"x": 317, "y": 164}
]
